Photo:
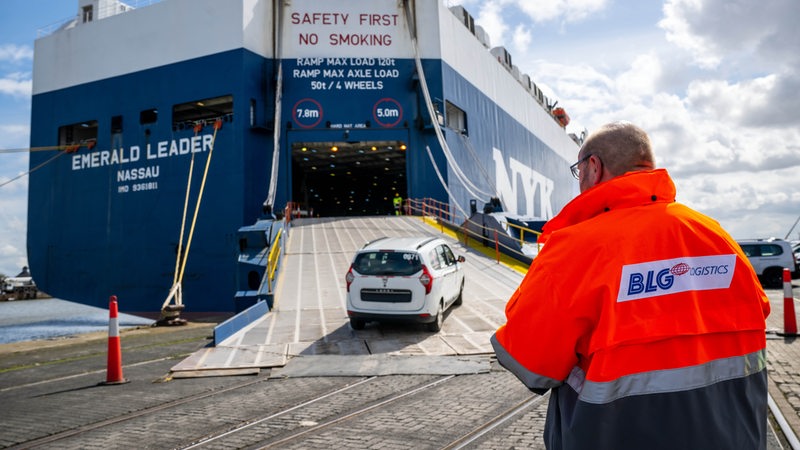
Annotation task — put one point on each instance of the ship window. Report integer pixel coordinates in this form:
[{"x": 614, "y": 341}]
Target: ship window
[
  {"x": 116, "y": 124},
  {"x": 77, "y": 133},
  {"x": 186, "y": 115},
  {"x": 148, "y": 116},
  {"x": 87, "y": 14},
  {"x": 456, "y": 118}
]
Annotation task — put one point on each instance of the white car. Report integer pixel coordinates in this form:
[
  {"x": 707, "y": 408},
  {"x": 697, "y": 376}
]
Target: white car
[
  {"x": 769, "y": 257},
  {"x": 409, "y": 278}
]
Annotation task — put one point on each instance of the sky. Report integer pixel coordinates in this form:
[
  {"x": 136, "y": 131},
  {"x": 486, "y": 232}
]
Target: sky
[{"x": 716, "y": 84}]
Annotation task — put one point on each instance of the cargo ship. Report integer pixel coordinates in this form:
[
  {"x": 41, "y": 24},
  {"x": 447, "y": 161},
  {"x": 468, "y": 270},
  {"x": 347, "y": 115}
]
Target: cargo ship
[{"x": 201, "y": 118}]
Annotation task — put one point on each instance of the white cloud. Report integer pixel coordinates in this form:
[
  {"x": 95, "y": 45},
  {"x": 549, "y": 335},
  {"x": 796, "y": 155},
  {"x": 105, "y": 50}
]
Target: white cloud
[
  {"x": 491, "y": 20},
  {"x": 714, "y": 29},
  {"x": 13, "y": 164},
  {"x": 769, "y": 101},
  {"x": 680, "y": 32},
  {"x": 14, "y": 194},
  {"x": 13, "y": 258},
  {"x": 560, "y": 10},
  {"x": 16, "y": 85},
  {"x": 495, "y": 15},
  {"x": 640, "y": 81},
  {"x": 13, "y": 217},
  {"x": 522, "y": 36},
  {"x": 15, "y": 53},
  {"x": 747, "y": 206},
  {"x": 13, "y": 136}
]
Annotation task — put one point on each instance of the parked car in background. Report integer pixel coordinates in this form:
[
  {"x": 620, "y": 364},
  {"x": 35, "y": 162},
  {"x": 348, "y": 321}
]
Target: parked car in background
[
  {"x": 409, "y": 278},
  {"x": 769, "y": 257}
]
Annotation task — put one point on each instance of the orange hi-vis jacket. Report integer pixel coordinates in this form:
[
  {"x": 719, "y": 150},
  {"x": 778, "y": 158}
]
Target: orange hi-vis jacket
[{"x": 646, "y": 320}]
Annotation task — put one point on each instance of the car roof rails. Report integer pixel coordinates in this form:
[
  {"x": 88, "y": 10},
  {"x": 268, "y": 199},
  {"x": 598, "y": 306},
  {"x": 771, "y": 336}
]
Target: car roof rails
[
  {"x": 426, "y": 241},
  {"x": 374, "y": 241}
]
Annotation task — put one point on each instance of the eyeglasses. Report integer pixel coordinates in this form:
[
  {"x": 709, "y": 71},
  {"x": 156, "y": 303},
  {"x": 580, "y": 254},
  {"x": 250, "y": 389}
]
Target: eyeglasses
[{"x": 574, "y": 168}]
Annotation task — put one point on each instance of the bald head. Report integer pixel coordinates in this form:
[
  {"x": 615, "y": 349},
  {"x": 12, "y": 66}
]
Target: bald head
[{"x": 621, "y": 146}]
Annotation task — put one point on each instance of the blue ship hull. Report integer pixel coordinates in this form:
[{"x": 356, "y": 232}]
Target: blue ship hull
[{"x": 105, "y": 216}]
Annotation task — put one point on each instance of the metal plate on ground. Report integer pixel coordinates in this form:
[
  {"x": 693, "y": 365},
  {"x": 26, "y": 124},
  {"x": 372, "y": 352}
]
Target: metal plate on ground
[
  {"x": 273, "y": 355},
  {"x": 470, "y": 343},
  {"x": 322, "y": 347},
  {"x": 416, "y": 344},
  {"x": 377, "y": 365},
  {"x": 215, "y": 373}
]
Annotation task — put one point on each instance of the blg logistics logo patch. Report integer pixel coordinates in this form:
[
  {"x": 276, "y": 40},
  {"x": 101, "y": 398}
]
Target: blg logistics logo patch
[{"x": 670, "y": 276}]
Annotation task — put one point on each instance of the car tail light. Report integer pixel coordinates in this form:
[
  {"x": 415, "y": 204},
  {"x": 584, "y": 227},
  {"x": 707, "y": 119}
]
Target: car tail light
[
  {"x": 349, "y": 277},
  {"x": 426, "y": 279}
]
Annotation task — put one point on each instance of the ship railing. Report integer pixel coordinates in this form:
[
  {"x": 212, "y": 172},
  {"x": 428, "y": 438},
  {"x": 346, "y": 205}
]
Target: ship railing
[
  {"x": 495, "y": 243},
  {"x": 477, "y": 235},
  {"x": 522, "y": 230},
  {"x": 295, "y": 210},
  {"x": 429, "y": 207},
  {"x": 108, "y": 10}
]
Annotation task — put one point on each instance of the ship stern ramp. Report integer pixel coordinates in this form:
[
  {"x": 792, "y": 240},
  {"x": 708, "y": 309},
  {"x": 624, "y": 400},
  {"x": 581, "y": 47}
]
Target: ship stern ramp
[
  {"x": 306, "y": 332},
  {"x": 511, "y": 235}
]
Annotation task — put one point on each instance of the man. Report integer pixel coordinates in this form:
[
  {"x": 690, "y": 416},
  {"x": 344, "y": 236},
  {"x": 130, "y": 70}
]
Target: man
[
  {"x": 398, "y": 203},
  {"x": 642, "y": 316}
]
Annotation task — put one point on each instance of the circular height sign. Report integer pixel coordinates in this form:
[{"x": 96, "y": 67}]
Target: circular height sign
[
  {"x": 387, "y": 112},
  {"x": 307, "y": 113}
]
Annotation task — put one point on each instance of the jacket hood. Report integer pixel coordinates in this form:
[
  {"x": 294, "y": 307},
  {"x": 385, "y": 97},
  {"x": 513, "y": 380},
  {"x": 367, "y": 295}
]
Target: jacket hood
[{"x": 629, "y": 190}]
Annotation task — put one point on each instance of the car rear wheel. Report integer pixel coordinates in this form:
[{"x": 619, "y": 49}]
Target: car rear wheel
[
  {"x": 357, "y": 324},
  {"x": 436, "y": 325},
  {"x": 773, "y": 277}
]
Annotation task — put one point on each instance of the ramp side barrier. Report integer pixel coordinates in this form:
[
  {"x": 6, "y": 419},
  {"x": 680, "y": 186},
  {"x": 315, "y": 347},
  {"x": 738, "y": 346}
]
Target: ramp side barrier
[
  {"x": 231, "y": 326},
  {"x": 272, "y": 259},
  {"x": 261, "y": 247},
  {"x": 476, "y": 233}
]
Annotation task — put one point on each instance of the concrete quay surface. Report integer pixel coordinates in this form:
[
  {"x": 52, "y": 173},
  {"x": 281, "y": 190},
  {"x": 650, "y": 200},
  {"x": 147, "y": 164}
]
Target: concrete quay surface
[{"x": 51, "y": 397}]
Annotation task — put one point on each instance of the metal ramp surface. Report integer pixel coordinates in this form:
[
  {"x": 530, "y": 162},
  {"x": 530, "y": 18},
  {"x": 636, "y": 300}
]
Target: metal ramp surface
[{"x": 309, "y": 316}]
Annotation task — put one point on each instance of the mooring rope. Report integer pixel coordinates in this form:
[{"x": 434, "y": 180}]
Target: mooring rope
[{"x": 176, "y": 291}]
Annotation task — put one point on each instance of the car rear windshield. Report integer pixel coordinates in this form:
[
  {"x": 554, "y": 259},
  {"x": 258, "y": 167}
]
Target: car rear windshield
[{"x": 388, "y": 262}]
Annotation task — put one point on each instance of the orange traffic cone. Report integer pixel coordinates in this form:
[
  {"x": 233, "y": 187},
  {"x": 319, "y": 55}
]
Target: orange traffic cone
[
  {"x": 789, "y": 319},
  {"x": 114, "y": 368}
]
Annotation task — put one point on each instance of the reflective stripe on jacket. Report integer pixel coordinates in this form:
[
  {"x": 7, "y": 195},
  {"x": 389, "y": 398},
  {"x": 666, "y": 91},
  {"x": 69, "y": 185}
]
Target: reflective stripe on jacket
[{"x": 646, "y": 320}]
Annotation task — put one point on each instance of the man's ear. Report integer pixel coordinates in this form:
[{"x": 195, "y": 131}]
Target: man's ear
[{"x": 595, "y": 170}]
